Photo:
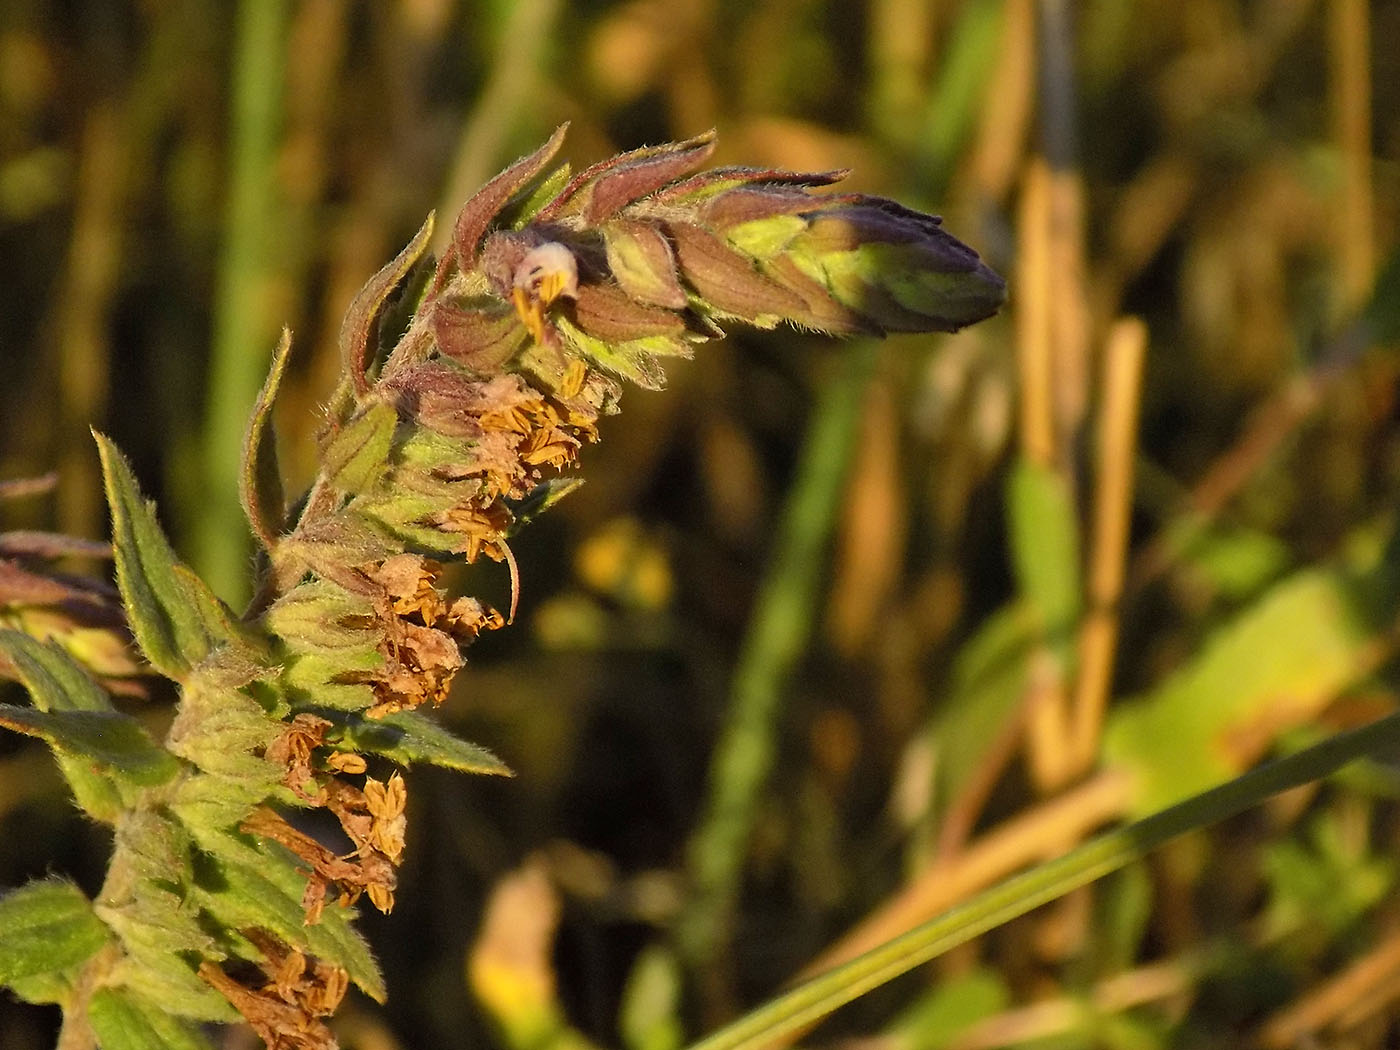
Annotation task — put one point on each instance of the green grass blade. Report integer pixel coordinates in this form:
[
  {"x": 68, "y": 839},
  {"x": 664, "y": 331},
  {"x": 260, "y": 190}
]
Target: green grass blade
[
  {"x": 781, "y": 626},
  {"x": 788, "y": 1015}
]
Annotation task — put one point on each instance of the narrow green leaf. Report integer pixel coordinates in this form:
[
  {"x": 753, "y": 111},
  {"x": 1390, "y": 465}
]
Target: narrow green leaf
[
  {"x": 937, "y": 1018},
  {"x": 1236, "y": 561},
  {"x": 358, "y": 325},
  {"x": 260, "y": 483},
  {"x": 1045, "y": 546},
  {"x": 56, "y": 682},
  {"x": 312, "y": 615},
  {"x": 1382, "y": 314},
  {"x": 162, "y": 938},
  {"x": 219, "y": 728},
  {"x": 164, "y": 617},
  {"x": 784, "y": 1017},
  {"x": 515, "y": 216},
  {"x": 223, "y": 732},
  {"x": 47, "y": 927},
  {"x": 223, "y": 626},
  {"x": 316, "y": 680},
  {"x": 649, "y": 1018},
  {"x": 988, "y": 684},
  {"x": 162, "y": 932},
  {"x": 124, "y": 1020},
  {"x": 110, "y": 738},
  {"x": 357, "y": 454},
  {"x": 540, "y": 498},
  {"x": 43, "y": 989},
  {"x": 633, "y": 360},
  {"x": 407, "y": 737}
]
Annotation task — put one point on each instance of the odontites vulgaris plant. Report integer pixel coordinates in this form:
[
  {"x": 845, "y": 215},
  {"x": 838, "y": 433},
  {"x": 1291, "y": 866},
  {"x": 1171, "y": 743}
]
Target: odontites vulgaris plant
[{"x": 468, "y": 388}]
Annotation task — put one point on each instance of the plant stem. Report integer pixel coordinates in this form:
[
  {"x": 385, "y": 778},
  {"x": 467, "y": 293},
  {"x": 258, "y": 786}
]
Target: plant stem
[
  {"x": 784, "y": 1017},
  {"x": 782, "y": 622},
  {"x": 244, "y": 330}
]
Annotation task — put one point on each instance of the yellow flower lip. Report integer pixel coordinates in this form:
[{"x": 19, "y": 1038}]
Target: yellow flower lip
[{"x": 548, "y": 272}]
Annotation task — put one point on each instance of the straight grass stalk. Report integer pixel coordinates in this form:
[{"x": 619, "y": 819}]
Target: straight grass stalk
[
  {"x": 781, "y": 626},
  {"x": 784, "y": 1018},
  {"x": 244, "y": 329}
]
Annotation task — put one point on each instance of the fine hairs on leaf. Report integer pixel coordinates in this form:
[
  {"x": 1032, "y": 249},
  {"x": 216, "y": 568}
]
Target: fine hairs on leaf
[{"x": 449, "y": 428}]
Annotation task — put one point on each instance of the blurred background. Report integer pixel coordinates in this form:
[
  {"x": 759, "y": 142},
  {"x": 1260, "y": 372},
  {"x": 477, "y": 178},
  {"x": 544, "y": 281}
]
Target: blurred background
[{"x": 836, "y": 633}]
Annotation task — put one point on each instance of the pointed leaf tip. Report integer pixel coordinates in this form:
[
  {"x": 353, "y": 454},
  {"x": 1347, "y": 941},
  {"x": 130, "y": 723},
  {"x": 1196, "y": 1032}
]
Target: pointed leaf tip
[
  {"x": 260, "y": 481},
  {"x": 165, "y": 618},
  {"x": 359, "y": 323},
  {"x": 481, "y": 210}
]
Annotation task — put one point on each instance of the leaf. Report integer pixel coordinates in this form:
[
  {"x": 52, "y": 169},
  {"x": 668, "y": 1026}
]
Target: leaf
[
  {"x": 1274, "y": 667},
  {"x": 161, "y": 937},
  {"x": 165, "y": 618},
  {"x": 316, "y": 680},
  {"x": 228, "y": 632},
  {"x": 357, "y": 454},
  {"x": 1123, "y": 914},
  {"x": 727, "y": 280},
  {"x": 649, "y": 1017},
  {"x": 260, "y": 885},
  {"x": 56, "y": 682},
  {"x": 485, "y": 206},
  {"x": 482, "y": 338},
  {"x": 222, "y": 731},
  {"x": 1236, "y": 562},
  {"x": 161, "y": 930},
  {"x": 48, "y": 926},
  {"x": 359, "y": 320},
  {"x": 1382, "y": 314},
  {"x": 642, "y": 262},
  {"x": 408, "y": 736},
  {"x": 312, "y": 616},
  {"x": 110, "y": 738},
  {"x": 44, "y": 988},
  {"x": 1322, "y": 883},
  {"x": 218, "y": 728},
  {"x": 123, "y": 1020},
  {"x": 938, "y": 1017},
  {"x": 987, "y": 686},
  {"x": 633, "y": 360},
  {"x": 540, "y": 498},
  {"x": 170, "y": 980},
  {"x": 524, "y": 207},
  {"x": 629, "y": 177},
  {"x": 260, "y": 482},
  {"x": 1045, "y": 546}
]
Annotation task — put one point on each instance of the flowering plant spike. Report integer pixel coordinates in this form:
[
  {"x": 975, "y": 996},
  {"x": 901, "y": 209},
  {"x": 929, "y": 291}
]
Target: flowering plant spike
[{"x": 468, "y": 387}]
